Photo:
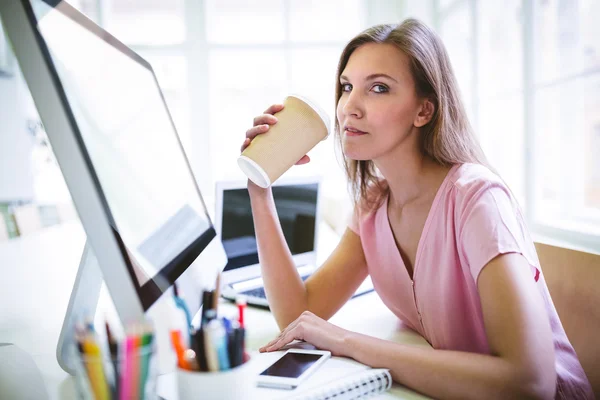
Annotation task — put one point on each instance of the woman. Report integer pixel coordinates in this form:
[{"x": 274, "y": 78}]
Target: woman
[{"x": 440, "y": 235}]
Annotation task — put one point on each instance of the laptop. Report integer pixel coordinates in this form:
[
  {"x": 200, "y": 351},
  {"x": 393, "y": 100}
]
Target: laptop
[{"x": 297, "y": 202}]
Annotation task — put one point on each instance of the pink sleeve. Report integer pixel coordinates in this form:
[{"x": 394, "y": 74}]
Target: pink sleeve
[
  {"x": 490, "y": 226},
  {"x": 353, "y": 221}
]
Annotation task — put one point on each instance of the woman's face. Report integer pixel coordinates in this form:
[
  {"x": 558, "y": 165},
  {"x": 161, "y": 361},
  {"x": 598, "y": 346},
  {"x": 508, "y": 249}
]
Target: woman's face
[{"x": 379, "y": 106}]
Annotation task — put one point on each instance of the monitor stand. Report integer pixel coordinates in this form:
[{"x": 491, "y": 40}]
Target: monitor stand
[{"x": 82, "y": 304}]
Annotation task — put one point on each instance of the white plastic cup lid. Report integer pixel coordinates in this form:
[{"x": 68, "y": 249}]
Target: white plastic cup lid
[{"x": 254, "y": 172}]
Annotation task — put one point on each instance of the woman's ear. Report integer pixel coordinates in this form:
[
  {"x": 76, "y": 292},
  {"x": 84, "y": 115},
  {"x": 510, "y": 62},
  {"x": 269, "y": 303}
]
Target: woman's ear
[{"x": 425, "y": 114}]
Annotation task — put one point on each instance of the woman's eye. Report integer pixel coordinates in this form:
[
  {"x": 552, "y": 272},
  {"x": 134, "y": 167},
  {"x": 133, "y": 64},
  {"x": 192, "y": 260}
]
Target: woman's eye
[
  {"x": 380, "y": 89},
  {"x": 346, "y": 87}
]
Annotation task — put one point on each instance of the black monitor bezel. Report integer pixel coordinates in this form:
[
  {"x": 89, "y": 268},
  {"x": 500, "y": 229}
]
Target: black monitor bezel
[{"x": 151, "y": 290}]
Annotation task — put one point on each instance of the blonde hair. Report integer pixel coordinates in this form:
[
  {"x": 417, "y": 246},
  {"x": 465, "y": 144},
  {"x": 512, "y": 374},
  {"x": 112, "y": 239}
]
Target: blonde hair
[{"x": 448, "y": 138}]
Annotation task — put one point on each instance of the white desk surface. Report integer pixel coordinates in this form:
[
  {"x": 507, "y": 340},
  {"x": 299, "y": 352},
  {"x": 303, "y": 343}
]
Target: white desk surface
[{"x": 38, "y": 271}]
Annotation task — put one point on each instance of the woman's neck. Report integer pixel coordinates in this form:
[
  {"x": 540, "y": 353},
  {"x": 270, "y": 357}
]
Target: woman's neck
[{"x": 411, "y": 176}]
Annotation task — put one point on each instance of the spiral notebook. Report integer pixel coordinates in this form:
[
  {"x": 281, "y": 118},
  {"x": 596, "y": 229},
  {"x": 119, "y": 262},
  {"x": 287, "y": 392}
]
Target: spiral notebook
[
  {"x": 343, "y": 377},
  {"x": 359, "y": 385}
]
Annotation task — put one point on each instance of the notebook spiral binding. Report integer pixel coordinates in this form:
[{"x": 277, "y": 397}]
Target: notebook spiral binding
[{"x": 358, "y": 386}]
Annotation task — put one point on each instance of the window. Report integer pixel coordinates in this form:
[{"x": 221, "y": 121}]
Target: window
[
  {"x": 237, "y": 95},
  {"x": 500, "y": 100},
  {"x": 259, "y": 53},
  {"x": 145, "y": 22},
  {"x": 567, "y": 115},
  {"x": 537, "y": 111},
  {"x": 244, "y": 22},
  {"x": 317, "y": 21}
]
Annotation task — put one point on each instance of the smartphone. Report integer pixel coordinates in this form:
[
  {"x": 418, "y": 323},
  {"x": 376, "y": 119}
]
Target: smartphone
[{"x": 292, "y": 368}]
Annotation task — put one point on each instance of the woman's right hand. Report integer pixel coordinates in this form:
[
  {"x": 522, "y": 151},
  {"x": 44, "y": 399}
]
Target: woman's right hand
[{"x": 262, "y": 123}]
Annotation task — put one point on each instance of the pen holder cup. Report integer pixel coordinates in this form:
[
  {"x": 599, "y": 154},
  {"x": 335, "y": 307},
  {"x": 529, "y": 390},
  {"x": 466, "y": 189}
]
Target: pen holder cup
[
  {"x": 233, "y": 384},
  {"x": 131, "y": 376}
]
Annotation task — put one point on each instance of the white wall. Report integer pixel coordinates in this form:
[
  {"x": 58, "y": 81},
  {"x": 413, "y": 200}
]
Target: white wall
[{"x": 16, "y": 175}]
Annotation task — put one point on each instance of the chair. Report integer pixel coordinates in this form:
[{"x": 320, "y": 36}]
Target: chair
[{"x": 573, "y": 279}]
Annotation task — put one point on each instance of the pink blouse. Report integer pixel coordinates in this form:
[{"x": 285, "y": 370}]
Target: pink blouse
[{"x": 473, "y": 218}]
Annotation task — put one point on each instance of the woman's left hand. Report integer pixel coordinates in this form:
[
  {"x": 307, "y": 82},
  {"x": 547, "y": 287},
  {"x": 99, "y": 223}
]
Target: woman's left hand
[{"x": 314, "y": 330}]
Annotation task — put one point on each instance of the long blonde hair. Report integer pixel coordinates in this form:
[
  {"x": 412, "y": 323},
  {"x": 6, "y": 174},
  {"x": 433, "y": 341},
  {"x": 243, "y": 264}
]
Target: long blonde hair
[{"x": 448, "y": 138}]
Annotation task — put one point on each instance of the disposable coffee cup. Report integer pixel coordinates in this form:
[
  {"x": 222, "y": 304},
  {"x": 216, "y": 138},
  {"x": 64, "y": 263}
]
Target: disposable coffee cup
[{"x": 300, "y": 126}]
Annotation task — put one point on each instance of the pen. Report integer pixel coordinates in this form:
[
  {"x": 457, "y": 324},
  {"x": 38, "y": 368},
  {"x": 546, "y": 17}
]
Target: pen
[
  {"x": 242, "y": 343},
  {"x": 218, "y": 337},
  {"x": 181, "y": 305},
  {"x": 241, "y": 303},
  {"x": 179, "y": 349},
  {"x": 190, "y": 359},
  {"x": 199, "y": 349},
  {"x": 212, "y": 360},
  {"x": 207, "y": 301},
  {"x": 217, "y": 292},
  {"x": 235, "y": 345},
  {"x": 226, "y": 324}
]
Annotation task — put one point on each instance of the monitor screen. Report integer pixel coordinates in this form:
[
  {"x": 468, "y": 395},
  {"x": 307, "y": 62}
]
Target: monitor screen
[
  {"x": 297, "y": 210},
  {"x": 131, "y": 146}
]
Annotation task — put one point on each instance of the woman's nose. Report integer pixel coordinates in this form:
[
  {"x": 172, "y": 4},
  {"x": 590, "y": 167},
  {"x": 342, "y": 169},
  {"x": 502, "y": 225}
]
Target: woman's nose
[{"x": 353, "y": 105}]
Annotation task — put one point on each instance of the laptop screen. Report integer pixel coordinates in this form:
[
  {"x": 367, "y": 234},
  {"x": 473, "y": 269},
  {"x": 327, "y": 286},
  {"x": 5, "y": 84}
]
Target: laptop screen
[{"x": 297, "y": 210}]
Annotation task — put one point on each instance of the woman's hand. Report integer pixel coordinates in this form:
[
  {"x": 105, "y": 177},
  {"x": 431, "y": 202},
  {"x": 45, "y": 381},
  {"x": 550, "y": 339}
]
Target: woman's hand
[
  {"x": 314, "y": 330},
  {"x": 261, "y": 124}
]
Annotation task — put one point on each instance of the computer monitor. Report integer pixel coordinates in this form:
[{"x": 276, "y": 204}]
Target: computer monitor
[{"x": 146, "y": 222}]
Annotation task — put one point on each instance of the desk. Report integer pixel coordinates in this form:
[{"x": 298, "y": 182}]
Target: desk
[{"x": 38, "y": 272}]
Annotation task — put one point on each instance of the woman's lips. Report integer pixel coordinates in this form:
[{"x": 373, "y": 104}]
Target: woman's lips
[{"x": 352, "y": 131}]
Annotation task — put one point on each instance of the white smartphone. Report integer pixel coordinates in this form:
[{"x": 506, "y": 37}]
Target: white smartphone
[{"x": 292, "y": 368}]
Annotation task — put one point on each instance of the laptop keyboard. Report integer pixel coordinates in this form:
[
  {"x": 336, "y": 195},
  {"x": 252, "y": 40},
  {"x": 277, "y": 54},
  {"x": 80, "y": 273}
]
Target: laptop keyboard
[{"x": 260, "y": 291}]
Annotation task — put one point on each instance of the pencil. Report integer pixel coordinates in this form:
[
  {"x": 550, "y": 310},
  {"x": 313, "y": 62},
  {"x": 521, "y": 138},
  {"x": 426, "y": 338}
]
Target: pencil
[
  {"x": 124, "y": 385},
  {"x": 114, "y": 353},
  {"x": 135, "y": 364},
  {"x": 146, "y": 353},
  {"x": 93, "y": 363}
]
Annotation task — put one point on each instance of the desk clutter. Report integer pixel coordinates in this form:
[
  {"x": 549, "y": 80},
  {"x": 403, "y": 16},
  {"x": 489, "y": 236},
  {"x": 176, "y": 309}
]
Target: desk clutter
[
  {"x": 115, "y": 370},
  {"x": 218, "y": 344},
  {"x": 212, "y": 363}
]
